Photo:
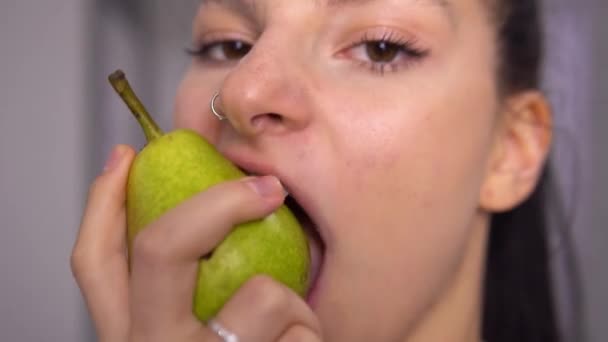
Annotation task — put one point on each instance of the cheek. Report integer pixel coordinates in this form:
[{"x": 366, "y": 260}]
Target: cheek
[
  {"x": 408, "y": 184},
  {"x": 412, "y": 150},
  {"x": 427, "y": 157},
  {"x": 192, "y": 106},
  {"x": 402, "y": 207}
]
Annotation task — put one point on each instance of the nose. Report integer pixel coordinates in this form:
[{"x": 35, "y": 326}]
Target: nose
[{"x": 266, "y": 93}]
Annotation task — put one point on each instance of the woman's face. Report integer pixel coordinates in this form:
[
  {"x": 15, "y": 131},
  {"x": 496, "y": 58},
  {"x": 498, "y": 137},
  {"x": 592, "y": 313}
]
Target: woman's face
[{"x": 378, "y": 117}]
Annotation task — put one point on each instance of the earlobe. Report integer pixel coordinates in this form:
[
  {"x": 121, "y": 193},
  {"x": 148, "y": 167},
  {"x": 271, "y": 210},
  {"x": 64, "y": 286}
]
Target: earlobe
[{"x": 519, "y": 154}]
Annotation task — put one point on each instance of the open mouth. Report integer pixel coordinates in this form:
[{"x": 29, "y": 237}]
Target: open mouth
[{"x": 315, "y": 243}]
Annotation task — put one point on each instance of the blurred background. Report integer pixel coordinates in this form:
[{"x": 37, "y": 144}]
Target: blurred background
[{"x": 59, "y": 119}]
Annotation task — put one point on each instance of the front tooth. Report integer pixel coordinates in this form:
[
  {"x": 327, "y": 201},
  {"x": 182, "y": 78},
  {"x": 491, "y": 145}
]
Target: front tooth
[{"x": 285, "y": 192}]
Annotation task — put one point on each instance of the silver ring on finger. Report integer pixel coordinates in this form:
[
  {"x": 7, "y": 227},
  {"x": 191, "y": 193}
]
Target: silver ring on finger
[{"x": 225, "y": 334}]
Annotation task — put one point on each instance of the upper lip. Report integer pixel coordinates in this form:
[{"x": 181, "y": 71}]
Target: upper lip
[{"x": 303, "y": 198}]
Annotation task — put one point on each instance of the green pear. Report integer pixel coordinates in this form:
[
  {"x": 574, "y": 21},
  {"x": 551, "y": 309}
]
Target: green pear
[{"x": 173, "y": 167}]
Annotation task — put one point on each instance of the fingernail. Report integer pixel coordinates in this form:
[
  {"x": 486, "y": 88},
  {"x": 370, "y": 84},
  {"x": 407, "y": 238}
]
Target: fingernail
[
  {"x": 113, "y": 159},
  {"x": 266, "y": 186}
]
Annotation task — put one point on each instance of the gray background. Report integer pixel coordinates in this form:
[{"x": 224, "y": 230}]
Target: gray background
[{"x": 59, "y": 119}]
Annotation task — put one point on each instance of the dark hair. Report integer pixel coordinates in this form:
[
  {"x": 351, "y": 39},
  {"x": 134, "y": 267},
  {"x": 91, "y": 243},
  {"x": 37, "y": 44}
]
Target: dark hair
[
  {"x": 519, "y": 302},
  {"x": 520, "y": 44}
]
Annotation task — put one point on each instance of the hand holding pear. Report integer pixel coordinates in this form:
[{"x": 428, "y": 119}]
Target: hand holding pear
[{"x": 177, "y": 165}]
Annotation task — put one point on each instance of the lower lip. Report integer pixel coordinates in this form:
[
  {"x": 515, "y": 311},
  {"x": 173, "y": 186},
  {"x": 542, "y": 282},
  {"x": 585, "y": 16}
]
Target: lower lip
[
  {"x": 317, "y": 255},
  {"x": 313, "y": 292},
  {"x": 317, "y": 260}
]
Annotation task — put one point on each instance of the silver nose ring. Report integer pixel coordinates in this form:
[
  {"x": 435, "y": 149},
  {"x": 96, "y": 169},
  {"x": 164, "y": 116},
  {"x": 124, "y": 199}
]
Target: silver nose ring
[{"x": 214, "y": 110}]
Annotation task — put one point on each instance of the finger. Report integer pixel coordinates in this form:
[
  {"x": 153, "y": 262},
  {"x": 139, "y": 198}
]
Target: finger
[
  {"x": 183, "y": 331},
  {"x": 165, "y": 255},
  {"x": 207, "y": 218},
  {"x": 101, "y": 230},
  {"x": 265, "y": 310},
  {"x": 299, "y": 333},
  {"x": 98, "y": 258}
]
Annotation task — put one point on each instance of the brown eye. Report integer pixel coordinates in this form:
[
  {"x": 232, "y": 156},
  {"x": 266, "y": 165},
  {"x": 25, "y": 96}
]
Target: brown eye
[
  {"x": 382, "y": 51},
  {"x": 234, "y": 49},
  {"x": 221, "y": 51}
]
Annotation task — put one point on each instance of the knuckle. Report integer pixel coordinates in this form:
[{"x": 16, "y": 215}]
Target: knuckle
[
  {"x": 232, "y": 194},
  {"x": 245, "y": 187},
  {"x": 77, "y": 263},
  {"x": 149, "y": 248},
  {"x": 84, "y": 266},
  {"x": 266, "y": 295}
]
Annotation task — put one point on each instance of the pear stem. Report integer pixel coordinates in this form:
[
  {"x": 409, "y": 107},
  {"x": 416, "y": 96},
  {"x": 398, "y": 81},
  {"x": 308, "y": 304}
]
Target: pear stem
[{"x": 123, "y": 88}]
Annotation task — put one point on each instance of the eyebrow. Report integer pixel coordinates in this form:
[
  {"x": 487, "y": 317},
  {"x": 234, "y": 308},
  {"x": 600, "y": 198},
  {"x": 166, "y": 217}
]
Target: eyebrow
[
  {"x": 248, "y": 9},
  {"x": 444, "y": 5},
  {"x": 342, "y": 3}
]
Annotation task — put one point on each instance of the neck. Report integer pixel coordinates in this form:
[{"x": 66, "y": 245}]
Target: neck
[{"x": 456, "y": 316}]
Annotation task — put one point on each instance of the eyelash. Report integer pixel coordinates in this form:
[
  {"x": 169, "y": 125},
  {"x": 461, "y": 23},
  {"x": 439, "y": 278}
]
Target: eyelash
[
  {"x": 408, "y": 48},
  {"x": 202, "y": 51}
]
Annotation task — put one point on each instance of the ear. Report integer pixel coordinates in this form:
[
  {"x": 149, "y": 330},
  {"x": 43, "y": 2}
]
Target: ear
[{"x": 521, "y": 146}]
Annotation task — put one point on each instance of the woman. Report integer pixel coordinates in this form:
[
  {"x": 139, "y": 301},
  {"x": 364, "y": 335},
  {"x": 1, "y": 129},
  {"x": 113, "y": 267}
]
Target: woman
[{"x": 412, "y": 133}]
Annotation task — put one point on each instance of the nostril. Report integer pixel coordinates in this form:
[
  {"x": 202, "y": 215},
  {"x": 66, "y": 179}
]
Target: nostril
[
  {"x": 271, "y": 119},
  {"x": 276, "y": 118}
]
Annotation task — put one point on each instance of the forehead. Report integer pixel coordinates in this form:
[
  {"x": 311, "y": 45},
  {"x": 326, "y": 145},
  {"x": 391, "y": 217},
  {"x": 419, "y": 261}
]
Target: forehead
[
  {"x": 249, "y": 7},
  {"x": 331, "y": 3},
  {"x": 441, "y": 3}
]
